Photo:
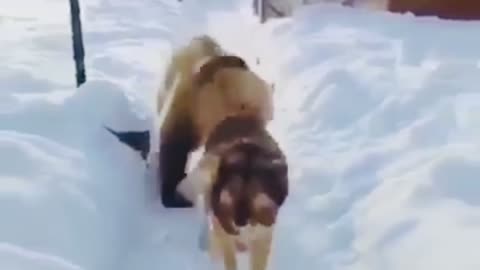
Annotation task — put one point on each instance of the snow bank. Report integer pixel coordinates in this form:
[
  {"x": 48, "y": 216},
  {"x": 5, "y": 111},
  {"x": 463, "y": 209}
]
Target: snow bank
[
  {"x": 383, "y": 129},
  {"x": 378, "y": 114},
  {"x": 70, "y": 194}
]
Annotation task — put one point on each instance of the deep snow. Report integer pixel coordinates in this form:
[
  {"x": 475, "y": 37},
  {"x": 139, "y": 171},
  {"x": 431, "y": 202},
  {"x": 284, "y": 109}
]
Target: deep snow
[{"x": 379, "y": 115}]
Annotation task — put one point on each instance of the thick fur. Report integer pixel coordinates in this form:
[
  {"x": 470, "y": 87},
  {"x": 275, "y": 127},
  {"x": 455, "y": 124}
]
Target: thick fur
[
  {"x": 243, "y": 179},
  {"x": 210, "y": 68},
  {"x": 185, "y": 61},
  {"x": 233, "y": 91},
  {"x": 210, "y": 87}
]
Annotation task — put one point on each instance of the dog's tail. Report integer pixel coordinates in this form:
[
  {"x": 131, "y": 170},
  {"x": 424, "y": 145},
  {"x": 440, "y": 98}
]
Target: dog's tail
[{"x": 137, "y": 140}]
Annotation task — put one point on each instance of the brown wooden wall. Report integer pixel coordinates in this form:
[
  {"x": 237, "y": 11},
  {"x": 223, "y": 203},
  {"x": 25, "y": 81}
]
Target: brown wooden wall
[{"x": 445, "y": 9}]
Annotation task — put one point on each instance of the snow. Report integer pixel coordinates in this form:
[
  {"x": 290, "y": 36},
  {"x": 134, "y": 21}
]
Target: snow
[{"x": 379, "y": 115}]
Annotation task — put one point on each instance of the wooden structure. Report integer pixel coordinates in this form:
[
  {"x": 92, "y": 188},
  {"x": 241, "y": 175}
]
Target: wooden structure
[{"x": 445, "y": 9}]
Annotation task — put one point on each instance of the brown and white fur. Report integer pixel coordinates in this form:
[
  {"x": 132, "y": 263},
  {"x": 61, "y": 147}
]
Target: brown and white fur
[
  {"x": 209, "y": 87},
  {"x": 239, "y": 183}
]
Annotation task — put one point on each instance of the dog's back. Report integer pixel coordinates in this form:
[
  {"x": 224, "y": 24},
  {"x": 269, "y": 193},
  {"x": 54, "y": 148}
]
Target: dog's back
[
  {"x": 252, "y": 177},
  {"x": 208, "y": 69},
  {"x": 243, "y": 181}
]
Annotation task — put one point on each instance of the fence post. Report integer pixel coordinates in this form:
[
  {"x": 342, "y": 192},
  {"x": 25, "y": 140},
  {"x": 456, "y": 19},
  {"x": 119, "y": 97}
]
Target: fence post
[
  {"x": 263, "y": 13},
  {"x": 78, "y": 49}
]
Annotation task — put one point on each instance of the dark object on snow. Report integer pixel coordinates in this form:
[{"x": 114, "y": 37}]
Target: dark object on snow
[
  {"x": 265, "y": 9},
  {"x": 78, "y": 49},
  {"x": 137, "y": 140},
  {"x": 463, "y": 10},
  {"x": 172, "y": 158},
  {"x": 348, "y": 3}
]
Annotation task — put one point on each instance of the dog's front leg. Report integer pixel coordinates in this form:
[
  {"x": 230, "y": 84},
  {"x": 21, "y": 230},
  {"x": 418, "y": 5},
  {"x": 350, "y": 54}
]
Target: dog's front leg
[
  {"x": 260, "y": 250},
  {"x": 227, "y": 245}
]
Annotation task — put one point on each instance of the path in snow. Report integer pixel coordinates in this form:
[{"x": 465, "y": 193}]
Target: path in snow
[{"x": 378, "y": 116}]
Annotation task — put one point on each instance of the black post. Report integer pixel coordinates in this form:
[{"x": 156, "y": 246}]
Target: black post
[
  {"x": 78, "y": 49},
  {"x": 263, "y": 12}
]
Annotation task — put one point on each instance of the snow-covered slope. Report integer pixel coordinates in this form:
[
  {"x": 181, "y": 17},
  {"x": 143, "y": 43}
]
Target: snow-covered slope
[{"x": 379, "y": 116}]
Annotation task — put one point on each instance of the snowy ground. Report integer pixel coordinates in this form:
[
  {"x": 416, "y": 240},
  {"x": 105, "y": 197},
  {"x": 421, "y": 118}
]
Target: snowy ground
[{"x": 378, "y": 114}]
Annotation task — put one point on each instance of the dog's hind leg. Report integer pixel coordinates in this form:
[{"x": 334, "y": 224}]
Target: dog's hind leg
[
  {"x": 227, "y": 245},
  {"x": 260, "y": 250}
]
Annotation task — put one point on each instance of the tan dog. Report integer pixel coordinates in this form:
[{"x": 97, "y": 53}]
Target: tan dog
[
  {"x": 209, "y": 86},
  {"x": 240, "y": 183}
]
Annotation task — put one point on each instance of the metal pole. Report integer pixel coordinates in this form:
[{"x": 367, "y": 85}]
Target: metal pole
[
  {"x": 263, "y": 14},
  {"x": 78, "y": 48}
]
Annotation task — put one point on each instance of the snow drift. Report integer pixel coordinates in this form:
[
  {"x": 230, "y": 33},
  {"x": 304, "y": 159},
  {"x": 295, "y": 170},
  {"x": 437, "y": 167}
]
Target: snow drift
[{"x": 378, "y": 114}]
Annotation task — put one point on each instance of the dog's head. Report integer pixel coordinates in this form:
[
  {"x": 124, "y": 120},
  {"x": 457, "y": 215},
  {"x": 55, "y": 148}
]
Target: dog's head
[
  {"x": 245, "y": 93},
  {"x": 250, "y": 188},
  {"x": 239, "y": 89},
  {"x": 208, "y": 70}
]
